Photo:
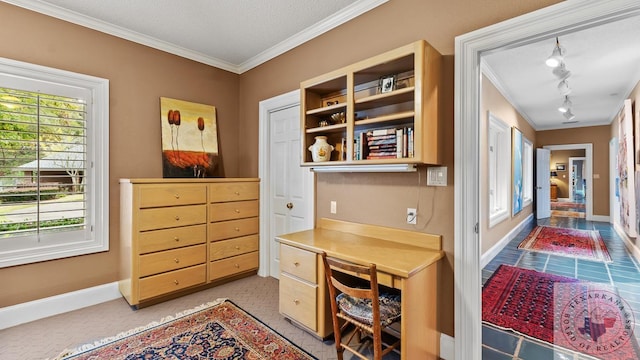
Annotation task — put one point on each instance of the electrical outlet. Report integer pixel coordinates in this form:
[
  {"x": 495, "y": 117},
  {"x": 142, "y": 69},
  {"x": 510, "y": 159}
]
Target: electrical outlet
[
  {"x": 412, "y": 216},
  {"x": 334, "y": 207}
]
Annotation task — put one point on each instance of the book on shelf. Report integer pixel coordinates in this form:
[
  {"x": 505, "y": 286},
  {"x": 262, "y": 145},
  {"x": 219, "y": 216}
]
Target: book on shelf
[{"x": 385, "y": 143}]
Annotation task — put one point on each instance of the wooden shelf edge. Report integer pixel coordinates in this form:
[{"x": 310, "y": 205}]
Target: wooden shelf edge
[
  {"x": 385, "y": 95},
  {"x": 327, "y": 109},
  {"x": 328, "y": 128},
  {"x": 391, "y": 117}
]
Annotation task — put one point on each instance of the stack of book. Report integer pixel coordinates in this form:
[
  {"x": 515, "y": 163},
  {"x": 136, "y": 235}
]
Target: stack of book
[{"x": 394, "y": 143}]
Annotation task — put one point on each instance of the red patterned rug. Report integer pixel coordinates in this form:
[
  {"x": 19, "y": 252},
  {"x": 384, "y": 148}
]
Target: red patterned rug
[
  {"x": 218, "y": 330},
  {"x": 585, "y": 317},
  {"x": 561, "y": 205},
  {"x": 583, "y": 244}
]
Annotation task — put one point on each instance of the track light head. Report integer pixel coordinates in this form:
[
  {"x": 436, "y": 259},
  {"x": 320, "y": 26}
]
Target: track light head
[
  {"x": 556, "y": 57},
  {"x": 564, "y": 88},
  {"x": 569, "y": 115},
  {"x": 566, "y": 105},
  {"x": 561, "y": 71}
]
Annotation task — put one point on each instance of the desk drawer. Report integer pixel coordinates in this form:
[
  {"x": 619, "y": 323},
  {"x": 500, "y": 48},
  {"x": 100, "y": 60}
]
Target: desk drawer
[
  {"x": 159, "y": 240},
  {"x": 172, "y": 281},
  {"x": 298, "y": 262},
  {"x": 162, "y": 218},
  {"x": 233, "y": 210},
  {"x": 172, "y": 195},
  {"x": 163, "y": 261},
  {"x": 227, "y": 248},
  {"x": 223, "y": 192},
  {"x": 298, "y": 301},
  {"x": 233, "y": 228},
  {"x": 233, "y": 265}
]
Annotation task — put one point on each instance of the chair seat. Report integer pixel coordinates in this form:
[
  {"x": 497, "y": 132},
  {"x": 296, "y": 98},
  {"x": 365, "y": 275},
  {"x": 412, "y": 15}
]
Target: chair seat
[{"x": 361, "y": 310}]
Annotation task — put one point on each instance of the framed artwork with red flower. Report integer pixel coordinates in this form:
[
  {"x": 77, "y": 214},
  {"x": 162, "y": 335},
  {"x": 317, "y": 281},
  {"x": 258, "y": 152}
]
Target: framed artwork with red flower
[{"x": 189, "y": 139}]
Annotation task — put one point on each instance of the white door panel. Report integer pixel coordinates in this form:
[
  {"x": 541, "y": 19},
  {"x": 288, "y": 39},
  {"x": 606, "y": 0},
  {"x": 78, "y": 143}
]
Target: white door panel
[{"x": 543, "y": 182}]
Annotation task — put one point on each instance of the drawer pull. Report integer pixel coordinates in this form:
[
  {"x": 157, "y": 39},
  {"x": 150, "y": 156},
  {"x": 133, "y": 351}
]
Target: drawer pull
[
  {"x": 176, "y": 260},
  {"x": 237, "y": 266},
  {"x": 237, "y": 229},
  {"x": 237, "y": 211},
  {"x": 177, "y": 196},
  {"x": 177, "y": 239},
  {"x": 296, "y": 264},
  {"x": 237, "y": 193},
  {"x": 237, "y": 247},
  {"x": 296, "y": 301},
  {"x": 176, "y": 282},
  {"x": 177, "y": 218}
]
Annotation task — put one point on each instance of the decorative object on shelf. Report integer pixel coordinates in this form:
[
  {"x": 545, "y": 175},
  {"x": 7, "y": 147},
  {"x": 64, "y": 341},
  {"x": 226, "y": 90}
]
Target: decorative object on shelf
[
  {"x": 561, "y": 167},
  {"x": 321, "y": 149},
  {"x": 387, "y": 84},
  {"x": 323, "y": 122},
  {"x": 329, "y": 103},
  {"x": 338, "y": 118},
  {"x": 189, "y": 139}
]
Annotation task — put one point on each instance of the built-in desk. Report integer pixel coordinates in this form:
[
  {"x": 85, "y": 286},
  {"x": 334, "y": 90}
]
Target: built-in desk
[{"x": 406, "y": 260}]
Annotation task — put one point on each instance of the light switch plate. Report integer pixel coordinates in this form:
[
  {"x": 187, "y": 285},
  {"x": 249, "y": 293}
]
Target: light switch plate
[{"x": 437, "y": 176}]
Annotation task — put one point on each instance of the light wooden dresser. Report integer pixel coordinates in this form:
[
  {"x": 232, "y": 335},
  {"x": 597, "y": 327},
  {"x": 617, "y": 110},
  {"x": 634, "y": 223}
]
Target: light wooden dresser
[{"x": 183, "y": 234}]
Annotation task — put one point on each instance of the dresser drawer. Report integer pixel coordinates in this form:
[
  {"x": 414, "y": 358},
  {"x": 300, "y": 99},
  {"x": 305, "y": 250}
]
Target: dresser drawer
[
  {"x": 233, "y": 265},
  {"x": 223, "y": 192},
  {"x": 233, "y": 210},
  {"x": 172, "y": 195},
  {"x": 163, "y": 261},
  {"x": 298, "y": 301},
  {"x": 157, "y": 240},
  {"x": 227, "y": 248},
  {"x": 298, "y": 262},
  {"x": 162, "y": 218},
  {"x": 172, "y": 281},
  {"x": 233, "y": 228}
]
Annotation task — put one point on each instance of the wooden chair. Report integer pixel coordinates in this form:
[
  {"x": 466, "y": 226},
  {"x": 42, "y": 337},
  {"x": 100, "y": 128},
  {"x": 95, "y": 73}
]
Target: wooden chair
[{"x": 365, "y": 308}]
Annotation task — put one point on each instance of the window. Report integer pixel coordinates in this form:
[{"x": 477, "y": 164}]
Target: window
[
  {"x": 527, "y": 172},
  {"x": 54, "y": 146},
  {"x": 499, "y": 169}
]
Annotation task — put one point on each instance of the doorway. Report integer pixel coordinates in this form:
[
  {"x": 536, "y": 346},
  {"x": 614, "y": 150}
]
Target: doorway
[{"x": 560, "y": 18}]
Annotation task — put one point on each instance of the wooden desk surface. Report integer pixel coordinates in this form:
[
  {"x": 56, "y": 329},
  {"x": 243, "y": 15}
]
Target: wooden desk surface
[{"x": 394, "y": 258}]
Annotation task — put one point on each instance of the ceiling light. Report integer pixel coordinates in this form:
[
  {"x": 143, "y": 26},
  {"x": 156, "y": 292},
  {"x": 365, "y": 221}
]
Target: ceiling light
[
  {"x": 556, "y": 56},
  {"x": 564, "y": 88},
  {"x": 561, "y": 71},
  {"x": 566, "y": 105},
  {"x": 569, "y": 115}
]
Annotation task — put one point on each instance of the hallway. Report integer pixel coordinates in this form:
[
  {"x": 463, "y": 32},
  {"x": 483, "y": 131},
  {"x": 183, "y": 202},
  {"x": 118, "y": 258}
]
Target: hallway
[{"x": 623, "y": 273}]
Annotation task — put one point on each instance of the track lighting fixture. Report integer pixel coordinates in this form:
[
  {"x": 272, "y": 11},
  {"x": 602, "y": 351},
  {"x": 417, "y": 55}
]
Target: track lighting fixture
[
  {"x": 566, "y": 105},
  {"x": 569, "y": 115},
  {"x": 561, "y": 71},
  {"x": 564, "y": 88},
  {"x": 556, "y": 56}
]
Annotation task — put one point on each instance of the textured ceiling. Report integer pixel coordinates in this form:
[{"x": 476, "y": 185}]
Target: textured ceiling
[{"x": 234, "y": 35}]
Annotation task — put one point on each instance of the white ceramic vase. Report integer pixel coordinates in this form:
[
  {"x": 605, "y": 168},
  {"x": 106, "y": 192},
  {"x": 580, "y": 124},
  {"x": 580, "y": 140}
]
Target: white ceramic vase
[{"x": 321, "y": 149}]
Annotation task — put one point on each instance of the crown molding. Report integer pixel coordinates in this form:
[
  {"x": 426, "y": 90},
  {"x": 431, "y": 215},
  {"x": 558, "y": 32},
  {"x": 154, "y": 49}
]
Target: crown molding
[{"x": 352, "y": 11}]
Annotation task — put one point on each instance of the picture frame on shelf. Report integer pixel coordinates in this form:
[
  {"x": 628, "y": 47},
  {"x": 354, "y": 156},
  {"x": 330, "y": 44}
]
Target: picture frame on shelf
[
  {"x": 561, "y": 167},
  {"x": 387, "y": 84}
]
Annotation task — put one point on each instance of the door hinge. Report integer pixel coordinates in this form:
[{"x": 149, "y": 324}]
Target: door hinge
[{"x": 476, "y": 228}]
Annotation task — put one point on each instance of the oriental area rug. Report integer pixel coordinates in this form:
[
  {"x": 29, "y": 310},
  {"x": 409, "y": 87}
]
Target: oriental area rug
[
  {"x": 217, "y": 330},
  {"x": 584, "y": 317},
  {"x": 582, "y": 244},
  {"x": 568, "y": 209}
]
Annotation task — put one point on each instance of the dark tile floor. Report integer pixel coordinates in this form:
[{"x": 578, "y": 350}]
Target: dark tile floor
[{"x": 623, "y": 274}]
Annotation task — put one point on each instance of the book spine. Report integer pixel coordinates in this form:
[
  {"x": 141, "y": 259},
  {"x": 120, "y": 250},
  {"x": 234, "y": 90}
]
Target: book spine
[{"x": 399, "y": 143}]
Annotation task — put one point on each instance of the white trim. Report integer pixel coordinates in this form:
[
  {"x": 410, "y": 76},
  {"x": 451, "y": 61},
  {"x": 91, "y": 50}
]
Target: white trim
[
  {"x": 58, "y": 304},
  {"x": 496, "y": 248},
  {"x": 350, "y": 12},
  {"x": 447, "y": 347},
  {"x": 266, "y": 107},
  {"x": 633, "y": 249},
  {"x": 601, "y": 218},
  {"x": 545, "y": 23},
  {"x": 588, "y": 171}
]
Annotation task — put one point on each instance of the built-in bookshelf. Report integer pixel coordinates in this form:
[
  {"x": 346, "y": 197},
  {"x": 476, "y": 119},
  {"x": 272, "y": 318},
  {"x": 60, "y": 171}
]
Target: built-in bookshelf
[{"x": 382, "y": 110}]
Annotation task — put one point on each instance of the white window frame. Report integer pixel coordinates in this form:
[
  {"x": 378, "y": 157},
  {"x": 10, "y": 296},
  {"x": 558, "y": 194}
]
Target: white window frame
[
  {"x": 527, "y": 172},
  {"x": 36, "y": 78},
  {"x": 499, "y": 161}
]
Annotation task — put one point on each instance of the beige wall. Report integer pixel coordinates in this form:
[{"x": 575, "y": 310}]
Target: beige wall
[
  {"x": 599, "y": 137},
  {"x": 493, "y": 101},
  {"x": 562, "y": 157},
  {"x": 139, "y": 75}
]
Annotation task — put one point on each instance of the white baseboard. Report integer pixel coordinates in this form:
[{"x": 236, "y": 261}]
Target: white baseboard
[
  {"x": 447, "y": 347},
  {"x": 495, "y": 249},
  {"x": 600, "y": 218},
  {"x": 633, "y": 249},
  {"x": 54, "y": 305}
]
